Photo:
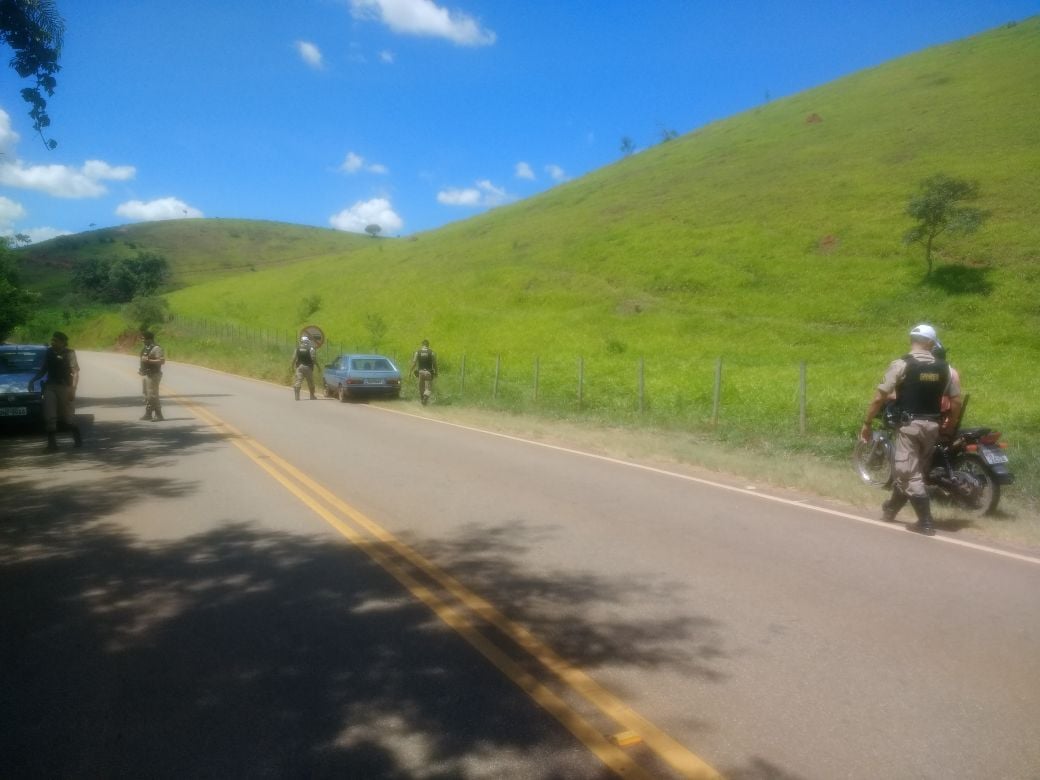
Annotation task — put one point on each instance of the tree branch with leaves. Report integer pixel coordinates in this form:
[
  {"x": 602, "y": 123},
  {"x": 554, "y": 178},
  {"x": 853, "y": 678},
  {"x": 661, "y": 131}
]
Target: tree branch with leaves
[{"x": 34, "y": 30}]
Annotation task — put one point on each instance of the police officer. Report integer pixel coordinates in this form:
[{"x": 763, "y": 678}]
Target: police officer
[
  {"x": 424, "y": 366},
  {"x": 305, "y": 358},
  {"x": 59, "y": 391},
  {"x": 152, "y": 360},
  {"x": 919, "y": 381}
]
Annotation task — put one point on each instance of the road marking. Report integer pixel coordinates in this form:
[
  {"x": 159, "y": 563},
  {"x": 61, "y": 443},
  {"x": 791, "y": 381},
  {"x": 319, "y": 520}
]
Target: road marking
[
  {"x": 605, "y": 748},
  {"x": 747, "y": 491}
]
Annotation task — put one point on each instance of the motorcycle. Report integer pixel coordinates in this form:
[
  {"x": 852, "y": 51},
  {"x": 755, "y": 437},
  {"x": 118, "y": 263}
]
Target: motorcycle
[{"x": 966, "y": 471}]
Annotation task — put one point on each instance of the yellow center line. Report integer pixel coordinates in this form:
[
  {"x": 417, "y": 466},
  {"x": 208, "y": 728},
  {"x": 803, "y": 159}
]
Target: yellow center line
[{"x": 298, "y": 483}]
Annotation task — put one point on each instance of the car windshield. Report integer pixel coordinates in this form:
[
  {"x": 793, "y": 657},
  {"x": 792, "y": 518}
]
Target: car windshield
[
  {"x": 371, "y": 364},
  {"x": 19, "y": 361}
]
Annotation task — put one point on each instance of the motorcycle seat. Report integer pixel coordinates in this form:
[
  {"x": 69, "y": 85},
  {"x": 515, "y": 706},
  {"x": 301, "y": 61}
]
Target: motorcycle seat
[{"x": 973, "y": 433}]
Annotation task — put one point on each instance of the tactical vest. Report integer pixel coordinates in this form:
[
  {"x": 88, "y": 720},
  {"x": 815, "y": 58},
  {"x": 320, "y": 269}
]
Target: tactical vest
[
  {"x": 148, "y": 368},
  {"x": 921, "y": 391},
  {"x": 303, "y": 356},
  {"x": 424, "y": 359},
  {"x": 59, "y": 372}
]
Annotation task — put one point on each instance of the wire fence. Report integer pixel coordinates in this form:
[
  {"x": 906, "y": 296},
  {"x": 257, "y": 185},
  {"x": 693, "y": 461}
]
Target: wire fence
[{"x": 705, "y": 392}]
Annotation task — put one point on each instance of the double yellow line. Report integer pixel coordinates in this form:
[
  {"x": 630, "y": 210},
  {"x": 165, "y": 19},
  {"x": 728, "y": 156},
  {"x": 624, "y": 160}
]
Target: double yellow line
[{"x": 467, "y": 613}]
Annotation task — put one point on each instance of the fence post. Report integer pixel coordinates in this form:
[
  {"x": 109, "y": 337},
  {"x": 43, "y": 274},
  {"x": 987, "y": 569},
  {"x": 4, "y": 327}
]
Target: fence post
[
  {"x": 536, "y": 379},
  {"x": 581, "y": 380},
  {"x": 717, "y": 396},
  {"x": 494, "y": 387},
  {"x": 802, "y": 398},
  {"x": 642, "y": 384}
]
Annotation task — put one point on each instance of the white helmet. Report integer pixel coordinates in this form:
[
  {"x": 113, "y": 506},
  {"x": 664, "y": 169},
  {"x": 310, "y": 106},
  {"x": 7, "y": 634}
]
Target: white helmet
[
  {"x": 924, "y": 331},
  {"x": 305, "y": 338}
]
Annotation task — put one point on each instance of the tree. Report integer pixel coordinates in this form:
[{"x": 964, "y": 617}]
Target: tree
[
  {"x": 308, "y": 305},
  {"x": 146, "y": 311},
  {"x": 628, "y": 146},
  {"x": 16, "y": 303},
  {"x": 667, "y": 134},
  {"x": 122, "y": 279},
  {"x": 373, "y": 230},
  {"x": 937, "y": 209},
  {"x": 376, "y": 327},
  {"x": 34, "y": 30}
]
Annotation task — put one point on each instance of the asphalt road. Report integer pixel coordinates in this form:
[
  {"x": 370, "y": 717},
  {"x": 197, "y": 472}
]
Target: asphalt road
[{"x": 267, "y": 588}]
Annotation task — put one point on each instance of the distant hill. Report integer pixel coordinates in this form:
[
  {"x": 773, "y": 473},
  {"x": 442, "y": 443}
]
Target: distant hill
[{"x": 198, "y": 250}]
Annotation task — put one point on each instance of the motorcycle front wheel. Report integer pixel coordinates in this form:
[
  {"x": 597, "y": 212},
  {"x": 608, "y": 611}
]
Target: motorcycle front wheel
[
  {"x": 872, "y": 460},
  {"x": 984, "y": 493}
]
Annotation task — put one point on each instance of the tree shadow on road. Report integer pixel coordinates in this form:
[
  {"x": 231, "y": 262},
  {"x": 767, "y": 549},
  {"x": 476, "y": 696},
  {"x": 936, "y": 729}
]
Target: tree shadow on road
[
  {"x": 559, "y": 605},
  {"x": 247, "y": 652},
  {"x": 238, "y": 653}
]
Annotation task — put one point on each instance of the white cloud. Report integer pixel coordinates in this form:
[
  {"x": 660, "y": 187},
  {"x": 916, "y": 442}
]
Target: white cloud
[
  {"x": 455, "y": 197},
  {"x": 424, "y": 18},
  {"x": 155, "y": 210},
  {"x": 386, "y": 56},
  {"x": 378, "y": 211},
  {"x": 10, "y": 212},
  {"x": 523, "y": 171},
  {"x": 8, "y": 137},
  {"x": 63, "y": 181},
  {"x": 556, "y": 173},
  {"x": 484, "y": 195},
  {"x": 310, "y": 54},
  {"x": 354, "y": 162}
]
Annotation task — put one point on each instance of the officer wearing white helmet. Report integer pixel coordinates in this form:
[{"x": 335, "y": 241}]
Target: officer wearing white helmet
[
  {"x": 305, "y": 358},
  {"x": 919, "y": 381}
]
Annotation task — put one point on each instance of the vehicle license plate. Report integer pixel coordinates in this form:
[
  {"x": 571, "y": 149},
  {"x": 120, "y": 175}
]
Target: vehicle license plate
[
  {"x": 14, "y": 411},
  {"x": 373, "y": 381},
  {"x": 994, "y": 456}
]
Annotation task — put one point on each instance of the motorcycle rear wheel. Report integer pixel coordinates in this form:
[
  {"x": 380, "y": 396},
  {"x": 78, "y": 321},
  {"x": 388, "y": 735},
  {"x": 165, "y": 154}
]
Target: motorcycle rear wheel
[
  {"x": 986, "y": 499},
  {"x": 873, "y": 461}
]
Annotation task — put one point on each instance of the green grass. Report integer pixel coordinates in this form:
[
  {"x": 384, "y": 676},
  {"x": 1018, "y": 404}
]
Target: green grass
[{"x": 765, "y": 239}]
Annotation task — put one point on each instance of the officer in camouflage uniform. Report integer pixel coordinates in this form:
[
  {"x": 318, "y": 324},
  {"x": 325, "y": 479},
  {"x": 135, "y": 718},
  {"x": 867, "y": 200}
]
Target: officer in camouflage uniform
[
  {"x": 305, "y": 358},
  {"x": 424, "y": 366},
  {"x": 919, "y": 381},
  {"x": 59, "y": 391},
  {"x": 152, "y": 360}
]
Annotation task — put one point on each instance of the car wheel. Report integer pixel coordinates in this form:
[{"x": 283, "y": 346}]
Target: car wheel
[{"x": 342, "y": 394}]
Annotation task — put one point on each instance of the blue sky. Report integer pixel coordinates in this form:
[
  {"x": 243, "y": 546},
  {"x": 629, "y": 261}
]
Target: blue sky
[{"x": 407, "y": 113}]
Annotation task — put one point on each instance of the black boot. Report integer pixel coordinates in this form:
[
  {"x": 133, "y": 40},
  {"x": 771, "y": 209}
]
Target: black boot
[
  {"x": 77, "y": 437},
  {"x": 923, "y": 509},
  {"x": 52, "y": 441},
  {"x": 891, "y": 508}
]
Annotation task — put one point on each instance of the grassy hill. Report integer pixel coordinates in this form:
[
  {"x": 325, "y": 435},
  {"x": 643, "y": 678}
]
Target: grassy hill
[
  {"x": 767, "y": 239},
  {"x": 198, "y": 250}
]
